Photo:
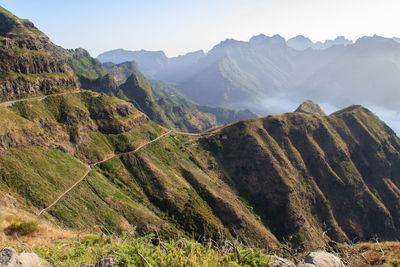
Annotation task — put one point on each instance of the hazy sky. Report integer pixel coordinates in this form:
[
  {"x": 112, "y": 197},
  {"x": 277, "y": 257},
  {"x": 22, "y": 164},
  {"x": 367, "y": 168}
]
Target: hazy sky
[{"x": 180, "y": 26}]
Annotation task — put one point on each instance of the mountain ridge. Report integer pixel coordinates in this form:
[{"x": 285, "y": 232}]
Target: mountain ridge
[
  {"x": 264, "y": 71},
  {"x": 296, "y": 178}
]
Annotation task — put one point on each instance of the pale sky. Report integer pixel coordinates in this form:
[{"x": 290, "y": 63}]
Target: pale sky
[{"x": 180, "y": 26}]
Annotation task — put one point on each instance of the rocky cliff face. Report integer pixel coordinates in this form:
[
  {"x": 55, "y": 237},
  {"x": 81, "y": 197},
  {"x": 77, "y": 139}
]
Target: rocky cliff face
[{"x": 29, "y": 64}]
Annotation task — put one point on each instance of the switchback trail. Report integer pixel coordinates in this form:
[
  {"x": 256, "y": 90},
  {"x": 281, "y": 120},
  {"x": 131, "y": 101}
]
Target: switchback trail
[{"x": 90, "y": 168}]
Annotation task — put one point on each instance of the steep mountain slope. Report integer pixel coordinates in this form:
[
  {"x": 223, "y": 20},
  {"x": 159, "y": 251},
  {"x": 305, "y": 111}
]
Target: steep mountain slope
[
  {"x": 140, "y": 92},
  {"x": 304, "y": 174},
  {"x": 29, "y": 65},
  {"x": 47, "y": 144},
  {"x": 32, "y": 65},
  {"x": 167, "y": 105},
  {"x": 266, "y": 74},
  {"x": 241, "y": 75},
  {"x": 280, "y": 177}
]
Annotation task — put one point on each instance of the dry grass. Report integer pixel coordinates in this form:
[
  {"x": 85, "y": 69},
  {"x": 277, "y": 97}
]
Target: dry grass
[
  {"x": 44, "y": 236},
  {"x": 373, "y": 252}
]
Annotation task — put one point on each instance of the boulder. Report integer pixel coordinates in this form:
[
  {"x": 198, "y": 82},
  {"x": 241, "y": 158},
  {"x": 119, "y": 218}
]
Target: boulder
[
  {"x": 10, "y": 258},
  {"x": 321, "y": 259}
]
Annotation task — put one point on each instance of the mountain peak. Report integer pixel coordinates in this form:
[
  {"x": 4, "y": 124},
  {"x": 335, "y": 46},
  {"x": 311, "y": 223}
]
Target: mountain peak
[
  {"x": 310, "y": 107},
  {"x": 300, "y": 42},
  {"x": 262, "y": 38}
]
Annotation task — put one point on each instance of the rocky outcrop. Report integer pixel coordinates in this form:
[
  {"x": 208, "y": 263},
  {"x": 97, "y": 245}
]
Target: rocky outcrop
[
  {"x": 104, "y": 84},
  {"x": 321, "y": 259},
  {"x": 310, "y": 107},
  {"x": 116, "y": 126},
  {"x": 30, "y": 64},
  {"x": 10, "y": 258},
  {"x": 17, "y": 86}
]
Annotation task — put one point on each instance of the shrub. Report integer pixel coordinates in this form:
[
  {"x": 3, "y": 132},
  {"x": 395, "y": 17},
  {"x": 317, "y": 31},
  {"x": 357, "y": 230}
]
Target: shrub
[
  {"x": 395, "y": 263},
  {"x": 22, "y": 227}
]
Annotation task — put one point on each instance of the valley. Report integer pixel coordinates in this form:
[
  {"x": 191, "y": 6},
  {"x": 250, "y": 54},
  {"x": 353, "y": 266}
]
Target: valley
[{"x": 175, "y": 167}]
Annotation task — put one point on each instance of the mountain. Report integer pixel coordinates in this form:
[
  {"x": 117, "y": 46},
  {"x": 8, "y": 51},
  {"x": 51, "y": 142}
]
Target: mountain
[
  {"x": 151, "y": 62},
  {"x": 155, "y": 64},
  {"x": 281, "y": 177},
  {"x": 367, "y": 72},
  {"x": 237, "y": 74},
  {"x": 179, "y": 112},
  {"x": 301, "y": 43},
  {"x": 32, "y": 65},
  {"x": 266, "y": 75},
  {"x": 29, "y": 61},
  {"x": 310, "y": 107},
  {"x": 95, "y": 163},
  {"x": 138, "y": 90}
]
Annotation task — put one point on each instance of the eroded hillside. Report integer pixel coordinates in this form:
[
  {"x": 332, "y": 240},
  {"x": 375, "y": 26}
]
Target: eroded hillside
[{"x": 281, "y": 177}]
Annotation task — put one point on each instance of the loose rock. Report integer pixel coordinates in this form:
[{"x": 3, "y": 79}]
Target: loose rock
[
  {"x": 10, "y": 258},
  {"x": 321, "y": 259}
]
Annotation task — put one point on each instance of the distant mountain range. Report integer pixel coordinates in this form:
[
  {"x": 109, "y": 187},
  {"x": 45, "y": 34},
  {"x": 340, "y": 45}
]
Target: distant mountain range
[
  {"x": 301, "y": 42},
  {"x": 269, "y": 74}
]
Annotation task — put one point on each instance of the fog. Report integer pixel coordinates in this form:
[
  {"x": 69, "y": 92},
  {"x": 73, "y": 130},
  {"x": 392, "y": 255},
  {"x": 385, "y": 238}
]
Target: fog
[{"x": 282, "y": 104}]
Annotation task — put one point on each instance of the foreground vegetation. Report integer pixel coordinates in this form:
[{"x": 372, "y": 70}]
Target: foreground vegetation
[{"x": 132, "y": 250}]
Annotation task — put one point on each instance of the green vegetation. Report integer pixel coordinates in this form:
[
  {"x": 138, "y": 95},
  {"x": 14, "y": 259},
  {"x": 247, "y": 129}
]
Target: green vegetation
[
  {"x": 87, "y": 67},
  {"x": 22, "y": 227},
  {"x": 394, "y": 263},
  {"x": 39, "y": 174},
  {"x": 182, "y": 252},
  {"x": 32, "y": 77}
]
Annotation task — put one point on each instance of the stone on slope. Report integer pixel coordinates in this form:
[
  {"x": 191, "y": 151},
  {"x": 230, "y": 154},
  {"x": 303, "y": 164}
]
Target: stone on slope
[
  {"x": 321, "y": 259},
  {"x": 10, "y": 258}
]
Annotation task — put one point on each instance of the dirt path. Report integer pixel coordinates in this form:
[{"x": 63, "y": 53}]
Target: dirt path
[
  {"x": 37, "y": 98},
  {"x": 90, "y": 168},
  {"x": 66, "y": 192}
]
